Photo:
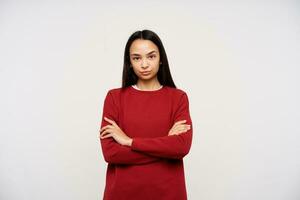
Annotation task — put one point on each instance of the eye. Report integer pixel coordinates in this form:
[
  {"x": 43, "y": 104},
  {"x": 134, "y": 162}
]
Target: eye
[
  {"x": 135, "y": 58},
  {"x": 152, "y": 56}
]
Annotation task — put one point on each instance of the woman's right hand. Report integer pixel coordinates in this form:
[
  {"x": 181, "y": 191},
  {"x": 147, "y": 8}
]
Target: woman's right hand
[{"x": 179, "y": 127}]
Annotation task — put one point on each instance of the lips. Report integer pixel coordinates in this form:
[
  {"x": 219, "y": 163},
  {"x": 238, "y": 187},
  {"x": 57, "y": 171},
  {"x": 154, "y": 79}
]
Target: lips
[{"x": 145, "y": 72}]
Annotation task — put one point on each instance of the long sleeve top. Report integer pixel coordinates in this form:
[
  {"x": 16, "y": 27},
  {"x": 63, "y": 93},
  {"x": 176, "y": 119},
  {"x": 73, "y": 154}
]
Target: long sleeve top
[{"x": 152, "y": 167}]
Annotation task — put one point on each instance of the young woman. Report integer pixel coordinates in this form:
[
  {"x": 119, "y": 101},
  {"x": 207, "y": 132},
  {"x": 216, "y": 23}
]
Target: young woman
[{"x": 146, "y": 128}]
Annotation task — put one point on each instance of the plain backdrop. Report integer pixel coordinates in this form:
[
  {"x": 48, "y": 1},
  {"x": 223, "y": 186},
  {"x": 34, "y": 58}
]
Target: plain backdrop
[{"x": 238, "y": 61}]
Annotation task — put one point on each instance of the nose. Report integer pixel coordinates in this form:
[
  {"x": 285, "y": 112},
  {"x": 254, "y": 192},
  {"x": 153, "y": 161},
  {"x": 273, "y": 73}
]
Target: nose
[{"x": 144, "y": 63}]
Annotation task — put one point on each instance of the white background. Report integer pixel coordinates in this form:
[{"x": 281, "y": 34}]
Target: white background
[{"x": 238, "y": 61}]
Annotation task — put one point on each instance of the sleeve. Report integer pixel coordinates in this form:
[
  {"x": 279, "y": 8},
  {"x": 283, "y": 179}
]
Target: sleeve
[
  {"x": 173, "y": 146},
  {"x": 114, "y": 152}
]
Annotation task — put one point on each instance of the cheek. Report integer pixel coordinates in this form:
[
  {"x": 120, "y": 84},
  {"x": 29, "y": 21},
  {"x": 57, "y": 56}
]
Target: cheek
[
  {"x": 135, "y": 70},
  {"x": 156, "y": 64},
  {"x": 156, "y": 69}
]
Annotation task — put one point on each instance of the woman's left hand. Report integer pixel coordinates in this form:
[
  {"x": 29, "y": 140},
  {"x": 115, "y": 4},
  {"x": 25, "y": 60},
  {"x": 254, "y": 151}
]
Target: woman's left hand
[{"x": 113, "y": 130}]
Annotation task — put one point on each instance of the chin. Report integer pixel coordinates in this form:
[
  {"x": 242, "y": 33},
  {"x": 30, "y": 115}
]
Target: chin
[{"x": 145, "y": 78}]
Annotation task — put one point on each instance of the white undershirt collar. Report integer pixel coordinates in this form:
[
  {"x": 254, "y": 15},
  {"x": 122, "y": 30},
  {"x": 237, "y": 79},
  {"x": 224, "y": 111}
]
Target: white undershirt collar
[{"x": 134, "y": 86}]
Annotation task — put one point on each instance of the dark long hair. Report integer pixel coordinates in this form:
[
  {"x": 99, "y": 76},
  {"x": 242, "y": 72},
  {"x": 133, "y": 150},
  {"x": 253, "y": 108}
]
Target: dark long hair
[{"x": 163, "y": 75}]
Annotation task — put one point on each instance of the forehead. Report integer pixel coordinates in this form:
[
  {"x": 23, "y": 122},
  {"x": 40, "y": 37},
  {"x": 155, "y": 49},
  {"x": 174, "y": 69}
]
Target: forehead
[{"x": 142, "y": 47}]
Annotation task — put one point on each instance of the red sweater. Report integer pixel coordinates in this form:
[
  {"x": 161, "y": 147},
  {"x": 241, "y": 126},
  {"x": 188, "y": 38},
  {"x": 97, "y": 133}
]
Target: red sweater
[{"x": 152, "y": 168}]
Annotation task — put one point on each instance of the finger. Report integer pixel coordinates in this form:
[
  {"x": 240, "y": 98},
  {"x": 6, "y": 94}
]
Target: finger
[
  {"x": 170, "y": 133},
  {"x": 187, "y": 127},
  {"x": 101, "y": 135},
  {"x": 103, "y": 128},
  {"x": 183, "y": 126},
  {"x": 176, "y": 125},
  {"x": 171, "y": 129},
  {"x": 104, "y": 133},
  {"x": 179, "y": 127},
  {"x": 180, "y": 132},
  {"x": 110, "y": 121},
  {"x": 106, "y": 127},
  {"x": 106, "y": 136},
  {"x": 175, "y": 131}
]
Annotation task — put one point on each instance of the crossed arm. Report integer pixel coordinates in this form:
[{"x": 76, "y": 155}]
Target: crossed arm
[{"x": 146, "y": 150}]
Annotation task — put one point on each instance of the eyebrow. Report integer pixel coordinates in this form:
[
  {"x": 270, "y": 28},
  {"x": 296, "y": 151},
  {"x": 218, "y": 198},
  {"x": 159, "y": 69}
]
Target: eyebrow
[{"x": 136, "y": 54}]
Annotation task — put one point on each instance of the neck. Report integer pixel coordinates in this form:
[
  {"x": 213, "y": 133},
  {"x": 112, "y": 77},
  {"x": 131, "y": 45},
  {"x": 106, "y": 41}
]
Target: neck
[{"x": 148, "y": 85}]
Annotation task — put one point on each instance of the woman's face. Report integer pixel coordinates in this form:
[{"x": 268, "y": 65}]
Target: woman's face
[{"x": 144, "y": 58}]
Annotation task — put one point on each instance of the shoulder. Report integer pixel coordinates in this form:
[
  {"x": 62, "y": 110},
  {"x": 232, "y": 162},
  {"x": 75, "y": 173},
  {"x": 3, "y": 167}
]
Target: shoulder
[
  {"x": 177, "y": 93},
  {"x": 115, "y": 92},
  {"x": 180, "y": 98}
]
